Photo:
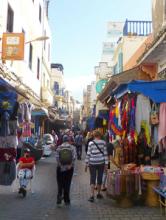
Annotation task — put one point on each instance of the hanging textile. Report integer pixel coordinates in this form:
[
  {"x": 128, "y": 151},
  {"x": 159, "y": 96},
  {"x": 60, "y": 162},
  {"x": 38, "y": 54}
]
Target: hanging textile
[
  {"x": 162, "y": 120},
  {"x": 8, "y": 136},
  {"x": 143, "y": 109},
  {"x": 115, "y": 129}
]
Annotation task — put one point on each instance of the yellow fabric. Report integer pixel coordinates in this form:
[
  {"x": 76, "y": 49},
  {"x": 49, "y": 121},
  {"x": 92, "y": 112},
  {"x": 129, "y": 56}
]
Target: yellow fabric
[
  {"x": 117, "y": 110},
  {"x": 147, "y": 132}
]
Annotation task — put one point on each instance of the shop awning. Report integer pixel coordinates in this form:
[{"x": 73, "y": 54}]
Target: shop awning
[
  {"x": 155, "y": 90},
  {"x": 40, "y": 112}
]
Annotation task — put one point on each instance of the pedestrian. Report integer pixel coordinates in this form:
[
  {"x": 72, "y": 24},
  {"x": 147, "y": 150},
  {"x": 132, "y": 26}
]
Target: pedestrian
[
  {"x": 97, "y": 161},
  {"x": 25, "y": 171},
  {"x": 79, "y": 143},
  {"x": 55, "y": 136},
  {"x": 89, "y": 138},
  {"x": 65, "y": 156}
]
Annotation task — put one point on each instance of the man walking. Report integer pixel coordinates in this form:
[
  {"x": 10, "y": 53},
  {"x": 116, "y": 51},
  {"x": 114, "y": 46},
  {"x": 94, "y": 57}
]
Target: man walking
[
  {"x": 65, "y": 155},
  {"x": 79, "y": 142}
]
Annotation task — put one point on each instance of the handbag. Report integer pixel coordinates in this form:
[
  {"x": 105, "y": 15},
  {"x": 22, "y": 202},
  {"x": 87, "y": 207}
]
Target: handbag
[{"x": 154, "y": 115}]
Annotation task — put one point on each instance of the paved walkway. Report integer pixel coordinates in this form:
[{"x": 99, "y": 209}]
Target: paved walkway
[{"x": 42, "y": 204}]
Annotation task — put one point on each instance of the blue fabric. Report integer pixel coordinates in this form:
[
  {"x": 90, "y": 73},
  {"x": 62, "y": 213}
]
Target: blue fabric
[
  {"x": 91, "y": 123},
  {"x": 155, "y": 90},
  {"x": 8, "y": 97},
  {"x": 103, "y": 115}
]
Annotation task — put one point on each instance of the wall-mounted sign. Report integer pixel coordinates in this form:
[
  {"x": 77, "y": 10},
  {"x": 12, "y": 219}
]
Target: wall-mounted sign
[
  {"x": 100, "y": 85},
  {"x": 13, "y": 46}
]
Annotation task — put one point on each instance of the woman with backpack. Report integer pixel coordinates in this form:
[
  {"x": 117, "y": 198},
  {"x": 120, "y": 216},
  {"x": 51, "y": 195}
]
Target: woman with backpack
[{"x": 65, "y": 156}]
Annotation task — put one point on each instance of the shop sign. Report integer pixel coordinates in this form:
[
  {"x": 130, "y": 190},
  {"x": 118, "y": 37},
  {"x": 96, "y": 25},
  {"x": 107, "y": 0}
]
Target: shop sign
[
  {"x": 13, "y": 46},
  {"x": 100, "y": 85}
]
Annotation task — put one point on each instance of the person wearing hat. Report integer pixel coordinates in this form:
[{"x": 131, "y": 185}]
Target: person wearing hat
[
  {"x": 65, "y": 156},
  {"x": 25, "y": 166}
]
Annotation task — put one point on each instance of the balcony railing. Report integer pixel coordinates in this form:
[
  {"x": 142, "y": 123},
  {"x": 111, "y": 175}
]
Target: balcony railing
[{"x": 137, "y": 28}]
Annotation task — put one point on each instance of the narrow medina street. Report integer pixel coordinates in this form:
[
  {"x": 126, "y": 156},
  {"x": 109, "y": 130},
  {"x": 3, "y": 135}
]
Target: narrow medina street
[{"x": 42, "y": 204}]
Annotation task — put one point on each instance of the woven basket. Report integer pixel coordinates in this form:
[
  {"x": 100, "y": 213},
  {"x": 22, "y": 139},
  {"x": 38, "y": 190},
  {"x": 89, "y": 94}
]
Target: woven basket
[{"x": 150, "y": 176}]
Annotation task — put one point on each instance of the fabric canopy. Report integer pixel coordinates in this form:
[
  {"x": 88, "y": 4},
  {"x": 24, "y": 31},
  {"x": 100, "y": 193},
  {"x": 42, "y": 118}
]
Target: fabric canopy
[
  {"x": 40, "y": 112},
  {"x": 155, "y": 90}
]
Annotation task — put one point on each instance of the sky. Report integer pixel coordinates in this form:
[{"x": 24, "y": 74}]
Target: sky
[{"x": 78, "y": 30}]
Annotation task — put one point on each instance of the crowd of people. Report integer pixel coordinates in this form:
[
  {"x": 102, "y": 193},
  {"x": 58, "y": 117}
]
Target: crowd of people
[
  {"x": 69, "y": 147},
  {"x": 98, "y": 158}
]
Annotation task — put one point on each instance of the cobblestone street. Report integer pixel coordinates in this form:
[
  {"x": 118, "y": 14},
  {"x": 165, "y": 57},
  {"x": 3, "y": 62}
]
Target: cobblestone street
[{"x": 42, "y": 204}]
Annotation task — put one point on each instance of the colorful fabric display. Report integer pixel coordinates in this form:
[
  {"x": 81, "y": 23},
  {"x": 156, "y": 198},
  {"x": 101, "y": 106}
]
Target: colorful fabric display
[
  {"x": 123, "y": 184},
  {"x": 114, "y": 127},
  {"x": 145, "y": 126}
]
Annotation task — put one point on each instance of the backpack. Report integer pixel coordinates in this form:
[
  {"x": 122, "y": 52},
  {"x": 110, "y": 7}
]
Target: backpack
[{"x": 65, "y": 156}]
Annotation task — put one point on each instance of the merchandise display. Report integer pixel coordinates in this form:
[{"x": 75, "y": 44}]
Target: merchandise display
[{"x": 139, "y": 122}]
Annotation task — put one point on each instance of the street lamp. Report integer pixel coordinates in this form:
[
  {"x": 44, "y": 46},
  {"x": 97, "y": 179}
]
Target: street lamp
[{"x": 42, "y": 38}]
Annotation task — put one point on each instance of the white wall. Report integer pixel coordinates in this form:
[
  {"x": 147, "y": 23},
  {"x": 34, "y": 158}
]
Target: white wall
[
  {"x": 26, "y": 17},
  {"x": 130, "y": 45}
]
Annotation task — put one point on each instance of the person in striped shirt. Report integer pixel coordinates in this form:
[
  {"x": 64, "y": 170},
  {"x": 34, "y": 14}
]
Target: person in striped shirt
[{"x": 97, "y": 161}]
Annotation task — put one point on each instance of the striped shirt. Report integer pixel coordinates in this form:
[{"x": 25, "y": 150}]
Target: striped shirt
[{"x": 94, "y": 156}]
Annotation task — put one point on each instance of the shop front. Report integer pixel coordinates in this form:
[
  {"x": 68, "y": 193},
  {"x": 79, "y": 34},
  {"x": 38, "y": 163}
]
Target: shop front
[{"x": 137, "y": 127}]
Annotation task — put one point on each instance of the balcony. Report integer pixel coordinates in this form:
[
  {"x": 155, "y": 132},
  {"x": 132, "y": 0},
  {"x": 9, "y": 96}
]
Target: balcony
[
  {"x": 47, "y": 96},
  {"x": 137, "y": 28}
]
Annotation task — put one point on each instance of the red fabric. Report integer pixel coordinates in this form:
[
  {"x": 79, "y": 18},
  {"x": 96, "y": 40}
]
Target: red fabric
[{"x": 26, "y": 160}]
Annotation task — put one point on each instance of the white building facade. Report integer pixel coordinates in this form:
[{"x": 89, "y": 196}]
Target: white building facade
[{"x": 31, "y": 18}]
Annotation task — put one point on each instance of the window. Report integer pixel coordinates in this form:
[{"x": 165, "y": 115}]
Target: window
[
  {"x": 30, "y": 55},
  {"x": 56, "y": 88},
  {"x": 38, "y": 68},
  {"x": 10, "y": 19},
  {"x": 40, "y": 12}
]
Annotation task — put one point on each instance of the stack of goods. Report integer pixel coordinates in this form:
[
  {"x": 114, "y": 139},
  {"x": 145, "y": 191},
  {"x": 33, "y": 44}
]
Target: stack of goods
[
  {"x": 151, "y": 172},
  {"x": 8, "y": 136},
  {"x": 123, "y": 183}
]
